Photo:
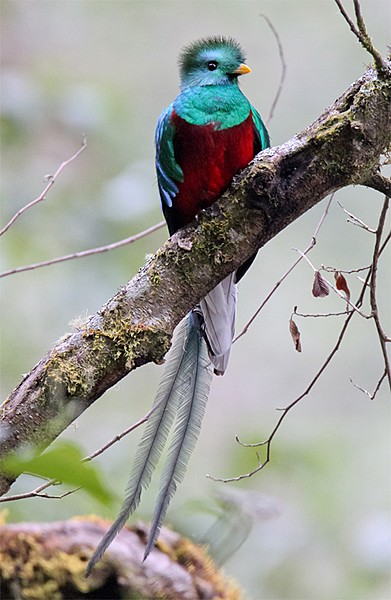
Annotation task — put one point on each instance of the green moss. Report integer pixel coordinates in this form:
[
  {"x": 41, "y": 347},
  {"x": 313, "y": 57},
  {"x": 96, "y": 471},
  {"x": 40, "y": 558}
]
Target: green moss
[
  {"x": 155, "y": 278},
  {"x": 64, "y": 374},
  {"x": 41, "y": 575},
  {"x": 118, "y": 339},
  {"x": 330, "y": 128},
  {"x": 333, "y": 168},
  {"x": 213, "y": 246}
]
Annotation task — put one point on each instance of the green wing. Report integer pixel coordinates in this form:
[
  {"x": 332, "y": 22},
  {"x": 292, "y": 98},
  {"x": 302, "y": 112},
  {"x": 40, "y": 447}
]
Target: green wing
[
  {"x": 169, "y": 173},
  {"x": 260, "y": 129}
]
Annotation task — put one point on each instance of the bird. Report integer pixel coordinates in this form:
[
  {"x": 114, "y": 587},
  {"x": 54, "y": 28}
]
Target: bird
[{"x": 203, "y": 139}]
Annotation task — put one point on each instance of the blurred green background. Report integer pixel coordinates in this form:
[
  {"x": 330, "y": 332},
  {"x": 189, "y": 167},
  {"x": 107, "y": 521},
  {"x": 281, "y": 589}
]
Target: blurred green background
[{"x": 106, "y": 69}]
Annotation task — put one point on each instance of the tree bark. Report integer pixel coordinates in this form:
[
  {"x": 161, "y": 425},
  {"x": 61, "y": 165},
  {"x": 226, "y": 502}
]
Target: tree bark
[
  {"x": 343, "y": 147},
  {"x": 42, "y": 561}
]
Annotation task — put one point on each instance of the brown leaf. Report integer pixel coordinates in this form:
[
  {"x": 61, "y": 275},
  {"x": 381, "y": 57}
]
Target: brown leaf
[
  {"x": 341, "y": 284},
  {"x": 320, "y": 289},
  {"x": 295, "y": 333}
]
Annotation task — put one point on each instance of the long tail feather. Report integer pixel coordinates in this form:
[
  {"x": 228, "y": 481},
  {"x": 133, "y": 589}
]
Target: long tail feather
[
  {"x": 219, "y": 310},
  {"x": 158, "y": 427},
  {"x": 194, "y": 380}
]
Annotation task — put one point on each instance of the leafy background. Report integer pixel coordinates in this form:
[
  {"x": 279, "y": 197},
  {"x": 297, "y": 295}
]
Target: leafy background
[{"x": 321, "y": 510}]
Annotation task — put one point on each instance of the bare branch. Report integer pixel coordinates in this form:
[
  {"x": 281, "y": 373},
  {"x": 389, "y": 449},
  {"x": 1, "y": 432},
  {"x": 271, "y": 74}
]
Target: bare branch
[
  {"x": 119, "y": 437},
  {"x": 362, "y": 35},
  {"x": 378, "y": 249},
  {"x": 373, "y": 281},
  {"x": 37, "y": 492},
  {"x": 347, "y": 271},
  {"x": 356, "y": 221},
  {"x": 283, "y": 68},
  {"x": 317, "y": 315},
  {"x": 335, "y": 290},
  {"x": 51, "y": 181},
  {"x": 278, "y": 283},
  {"x": 84, "y": 253},
  {"x": 268, "y": 442},
  {"x": 375, "y": 391}
]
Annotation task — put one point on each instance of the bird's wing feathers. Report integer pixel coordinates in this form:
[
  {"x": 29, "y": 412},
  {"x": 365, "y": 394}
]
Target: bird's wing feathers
[
  {"x": 193, "y": 384},
  {"x": 169, "y": 173},
  {"x": 260, "y": 129}
]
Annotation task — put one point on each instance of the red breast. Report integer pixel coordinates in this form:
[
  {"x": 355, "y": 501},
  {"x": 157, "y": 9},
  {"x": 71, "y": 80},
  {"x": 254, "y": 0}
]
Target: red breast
[{"x": 209, "y": 159}]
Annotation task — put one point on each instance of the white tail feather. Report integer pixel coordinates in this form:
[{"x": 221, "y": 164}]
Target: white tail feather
[
  {"x": 159, "y": 424},
  {"x": 195, "y": 379},
  {"x": 219, "y": 311}
]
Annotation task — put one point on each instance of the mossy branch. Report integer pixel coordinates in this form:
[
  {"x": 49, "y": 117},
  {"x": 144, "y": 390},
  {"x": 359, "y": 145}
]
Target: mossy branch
[
  {"x": 48, "y": 560},
  {"x": 343, "y": 147}
]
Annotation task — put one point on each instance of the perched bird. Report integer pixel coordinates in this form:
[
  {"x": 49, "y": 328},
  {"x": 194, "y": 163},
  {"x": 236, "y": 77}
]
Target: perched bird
[{"x": 208, "y": 134}]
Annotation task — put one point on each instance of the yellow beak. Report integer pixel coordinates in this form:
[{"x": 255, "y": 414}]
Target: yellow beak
[{"x": 241, "y": 70}]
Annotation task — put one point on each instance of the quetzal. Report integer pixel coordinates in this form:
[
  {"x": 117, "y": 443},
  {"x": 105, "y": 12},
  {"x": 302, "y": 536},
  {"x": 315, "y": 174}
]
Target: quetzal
[{"x": 208, "y": 134}]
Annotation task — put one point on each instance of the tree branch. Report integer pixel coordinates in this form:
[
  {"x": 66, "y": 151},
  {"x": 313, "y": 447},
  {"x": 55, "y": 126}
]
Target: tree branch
[
  {"x": 379, "y": 183},
  {"x": 362, "y": 35},
  {"x": 341, "y": 148},
  {"x": 372, "y": 284},
  {"x": 84, "y": 253},
  {"x": 48, "y": 560}
]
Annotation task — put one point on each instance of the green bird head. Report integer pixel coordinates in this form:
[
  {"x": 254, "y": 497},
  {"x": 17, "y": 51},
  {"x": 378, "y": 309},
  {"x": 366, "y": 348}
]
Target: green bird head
[{"x": 212, "y": 61}]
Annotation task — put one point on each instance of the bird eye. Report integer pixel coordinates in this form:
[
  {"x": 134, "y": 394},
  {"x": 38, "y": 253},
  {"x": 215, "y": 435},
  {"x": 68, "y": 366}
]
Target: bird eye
[{"x": 212, "y": 65}]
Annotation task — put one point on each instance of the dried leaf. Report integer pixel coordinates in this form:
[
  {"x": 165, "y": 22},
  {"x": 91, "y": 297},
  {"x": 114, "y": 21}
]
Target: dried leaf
[
  {"x": 320, "y": 289},
  {"x": 341, "y": 284},
  {"x": 295, "y": 333}
]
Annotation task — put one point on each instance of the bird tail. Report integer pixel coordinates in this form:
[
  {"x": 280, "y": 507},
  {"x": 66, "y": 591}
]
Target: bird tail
[
  {"x": 218, "y": 309},
  {"x": 183, "y": 391}
]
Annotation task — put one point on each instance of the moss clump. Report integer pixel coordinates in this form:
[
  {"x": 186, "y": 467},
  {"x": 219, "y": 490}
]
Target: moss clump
[
  {"x": 118, "y": 338},
  {"x": 41, "y": 574},
  {"x": 65, "y": 376},
  {"x": 155, "y": 278},
  {"x": 72, "y": 374},
  {"x": 213, "y": 246}
]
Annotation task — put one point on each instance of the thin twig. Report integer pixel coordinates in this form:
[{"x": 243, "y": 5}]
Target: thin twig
[
  {"x": 372, "y": 284},
  {"x": 375, "y": 391},
  {"x": 82, "y": 254},
  {"x": 119, "y": 437},
  {"x": 268, "y": 442},
  {"x": 355, "y": 220},
  {"x": 362, "y": 35},
  {"x": 347, "y": 271},
  {"x": 285, "y": 275},
  {"x": 33, "y": 493},
  {"x": 316, "y": 315},
  {"x": 37, "y": 492},
  {"x": 332, "y": 287},
  {"x": 283, "y": 68},
  {"x": 51, "y": 179}
]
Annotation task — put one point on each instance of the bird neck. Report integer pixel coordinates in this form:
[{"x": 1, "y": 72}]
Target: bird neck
[{"x": 223, "y": 105}]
